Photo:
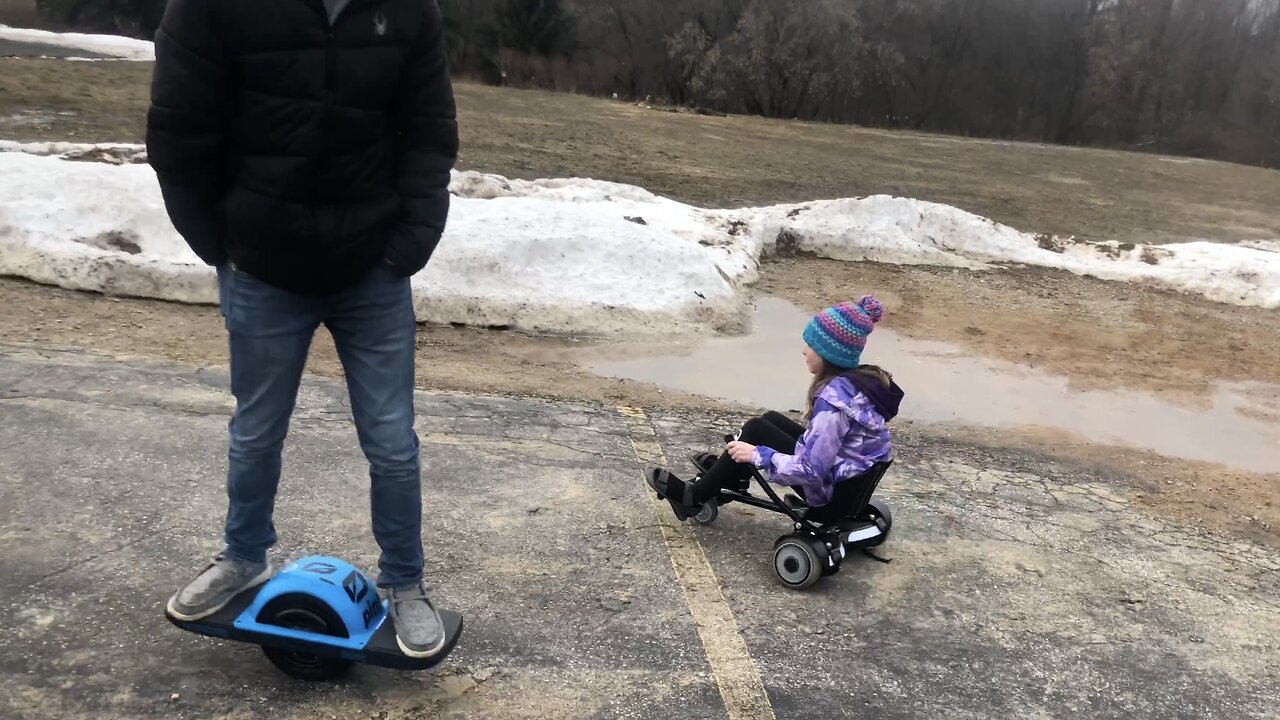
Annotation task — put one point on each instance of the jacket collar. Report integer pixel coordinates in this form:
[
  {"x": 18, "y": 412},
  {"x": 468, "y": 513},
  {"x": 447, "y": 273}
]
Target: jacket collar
[{"x": 318, "y": 7}]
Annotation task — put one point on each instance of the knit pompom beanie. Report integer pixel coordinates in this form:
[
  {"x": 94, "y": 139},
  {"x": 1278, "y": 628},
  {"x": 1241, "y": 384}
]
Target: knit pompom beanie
[{"x": 839, "y": 333}]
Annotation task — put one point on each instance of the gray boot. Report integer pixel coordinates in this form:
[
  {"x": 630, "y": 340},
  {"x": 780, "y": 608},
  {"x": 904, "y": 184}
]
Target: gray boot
[
  {"x": 419, "y": 630},
  {"x": 213, "y": 588}
]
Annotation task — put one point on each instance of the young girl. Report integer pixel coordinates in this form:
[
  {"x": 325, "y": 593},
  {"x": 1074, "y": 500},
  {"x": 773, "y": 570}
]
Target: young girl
[{"x": 849, "y": 405}]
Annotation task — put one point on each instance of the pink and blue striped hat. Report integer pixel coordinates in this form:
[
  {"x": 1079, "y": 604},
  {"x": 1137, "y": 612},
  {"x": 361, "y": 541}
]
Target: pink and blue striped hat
[{"x": 839, "y": 333}]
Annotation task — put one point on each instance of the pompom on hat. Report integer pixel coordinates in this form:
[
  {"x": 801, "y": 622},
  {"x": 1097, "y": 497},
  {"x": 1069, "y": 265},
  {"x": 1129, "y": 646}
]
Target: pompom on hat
[{"x": 839, "y": 333}]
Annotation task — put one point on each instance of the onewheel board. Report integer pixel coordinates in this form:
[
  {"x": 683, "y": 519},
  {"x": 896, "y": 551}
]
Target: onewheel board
[{"x": 315, "y": 618}]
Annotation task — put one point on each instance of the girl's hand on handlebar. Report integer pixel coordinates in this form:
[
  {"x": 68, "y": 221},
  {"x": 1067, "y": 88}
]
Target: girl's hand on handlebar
[{"x": 740, "y": 452}]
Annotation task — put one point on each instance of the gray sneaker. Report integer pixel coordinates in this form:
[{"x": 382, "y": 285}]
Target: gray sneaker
[
  {"x": 213, "y": 588},
  {"x": 419, "y": 630}
]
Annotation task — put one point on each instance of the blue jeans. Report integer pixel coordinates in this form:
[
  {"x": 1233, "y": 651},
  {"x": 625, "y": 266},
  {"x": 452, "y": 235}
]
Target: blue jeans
[{"x": 373, "y": 328}]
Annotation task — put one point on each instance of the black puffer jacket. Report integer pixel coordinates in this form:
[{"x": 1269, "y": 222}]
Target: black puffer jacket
[{"x": 304, "y": 151}]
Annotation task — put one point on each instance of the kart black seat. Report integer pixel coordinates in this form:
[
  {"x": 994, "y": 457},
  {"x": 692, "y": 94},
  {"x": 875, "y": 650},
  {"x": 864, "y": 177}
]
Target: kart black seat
[{"x": 850, "y": 497}]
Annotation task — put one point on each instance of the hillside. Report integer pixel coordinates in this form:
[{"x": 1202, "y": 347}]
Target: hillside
[{"x": 733, "y": 161}]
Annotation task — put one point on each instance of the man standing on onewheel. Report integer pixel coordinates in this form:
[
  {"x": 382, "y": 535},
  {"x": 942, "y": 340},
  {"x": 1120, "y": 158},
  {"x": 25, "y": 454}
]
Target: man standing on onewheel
[{"x": 303, "y": 148}]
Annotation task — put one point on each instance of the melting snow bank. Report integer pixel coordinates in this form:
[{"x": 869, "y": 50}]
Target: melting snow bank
[
  {"x": 533, "y": 261},
  {"x": 577, "y": 256},
  {"x": 123, "y": 48},
  {"x": 915, "y": 232},
  {"x": 115, "y": 153},
  {"x": 544, "y": 264},
  {"x": 94, "y": 226}
]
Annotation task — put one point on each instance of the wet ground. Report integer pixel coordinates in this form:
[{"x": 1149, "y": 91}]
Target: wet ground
[
  {"x": 1238, "y": 425},
  {"x": 1018, "y": 587}
]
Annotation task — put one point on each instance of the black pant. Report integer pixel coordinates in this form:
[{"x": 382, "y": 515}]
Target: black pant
[
  {"x": 772, "y": 430},
  {"x": 777, "y": 431}
]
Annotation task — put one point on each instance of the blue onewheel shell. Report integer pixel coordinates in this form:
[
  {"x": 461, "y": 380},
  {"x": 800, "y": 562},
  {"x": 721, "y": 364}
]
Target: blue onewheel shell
[{"x": 337, "y": 584}]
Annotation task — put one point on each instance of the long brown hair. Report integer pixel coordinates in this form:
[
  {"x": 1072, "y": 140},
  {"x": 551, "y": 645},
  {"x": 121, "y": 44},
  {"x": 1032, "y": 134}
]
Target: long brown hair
[{"x": 830, "y": 372}]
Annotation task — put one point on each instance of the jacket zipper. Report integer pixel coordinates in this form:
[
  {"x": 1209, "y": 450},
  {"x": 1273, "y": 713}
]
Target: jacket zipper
[
  {"x": 328, "y": 67},
  {"x": 328, "y": 102}
]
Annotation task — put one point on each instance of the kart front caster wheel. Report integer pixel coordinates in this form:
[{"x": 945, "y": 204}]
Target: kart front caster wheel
[{"x": 708, "y": 514}]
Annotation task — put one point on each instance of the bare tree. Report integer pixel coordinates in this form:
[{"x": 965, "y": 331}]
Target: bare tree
[
  {"x": 1189, "y": 76},
  {"x": 781, "y": 60}
]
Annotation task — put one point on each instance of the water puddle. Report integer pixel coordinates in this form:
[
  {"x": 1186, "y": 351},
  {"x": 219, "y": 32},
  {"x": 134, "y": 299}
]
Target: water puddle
[{"x": 1237, "y": 426}]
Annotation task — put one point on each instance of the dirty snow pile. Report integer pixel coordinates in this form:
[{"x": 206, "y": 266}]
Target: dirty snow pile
[
  {"x": 114, "y": 46},
  {"x": 116, "y": 153},
  {"x": 565, "y": 257},
  {"x": 574, "y": 255},
  {"x": 915, "y": 232},
  {"x": 541, "y": 256}
]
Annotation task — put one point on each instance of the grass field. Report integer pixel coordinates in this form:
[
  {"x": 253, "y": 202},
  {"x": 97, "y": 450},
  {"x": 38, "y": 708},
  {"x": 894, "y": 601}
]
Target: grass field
[{"x": 718, "y": 161}]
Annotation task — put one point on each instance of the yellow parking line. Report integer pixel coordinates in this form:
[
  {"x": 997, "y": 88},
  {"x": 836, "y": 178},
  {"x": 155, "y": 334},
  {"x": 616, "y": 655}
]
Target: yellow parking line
[{"x": 736, "y": 675}]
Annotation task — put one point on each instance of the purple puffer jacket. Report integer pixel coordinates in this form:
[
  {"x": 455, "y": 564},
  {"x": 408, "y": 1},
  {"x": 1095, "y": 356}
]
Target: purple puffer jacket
[{"x": 845, "y": 437}]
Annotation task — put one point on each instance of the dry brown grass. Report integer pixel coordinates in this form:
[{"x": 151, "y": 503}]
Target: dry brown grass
[{"x": 1094, "y": 194}]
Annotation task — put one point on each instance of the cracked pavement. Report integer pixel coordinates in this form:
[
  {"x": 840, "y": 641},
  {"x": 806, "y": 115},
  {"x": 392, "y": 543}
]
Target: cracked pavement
[{"x": 1019, "y": 587}]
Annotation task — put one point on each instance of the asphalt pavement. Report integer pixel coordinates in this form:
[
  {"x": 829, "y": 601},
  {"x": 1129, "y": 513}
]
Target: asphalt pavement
[{"x": 1017, "y": 587}]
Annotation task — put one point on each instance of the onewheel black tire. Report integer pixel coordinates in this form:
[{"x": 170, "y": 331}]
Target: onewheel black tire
[
  {"x": 877, "y": 509},
  {"x": 795, "y": 563},
  {"x": 304, "y": 612}
]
